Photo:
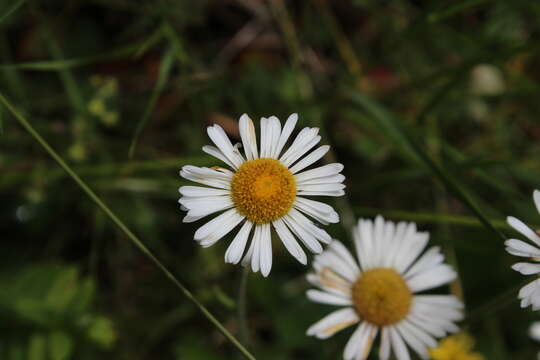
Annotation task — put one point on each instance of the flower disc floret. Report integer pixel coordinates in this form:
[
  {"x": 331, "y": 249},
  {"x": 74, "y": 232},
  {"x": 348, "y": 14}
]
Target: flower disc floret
[
  {"x": 263, "y": 190},
  {"x": 381, "y": 296}
]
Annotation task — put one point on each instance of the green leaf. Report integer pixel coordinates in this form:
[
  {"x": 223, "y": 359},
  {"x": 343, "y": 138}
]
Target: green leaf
[
  {"x": 101, "y": 331},
  {"x": 63, "y": 290},
  {"x": 37, "y": 347},
  {"x": 60, "y": 346}
]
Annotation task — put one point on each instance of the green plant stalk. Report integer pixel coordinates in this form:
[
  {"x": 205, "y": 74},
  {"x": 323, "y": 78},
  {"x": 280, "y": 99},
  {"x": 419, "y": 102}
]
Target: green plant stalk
[
  {"x": 131, "y": 236},
  {"x": 406, "y": 139}
]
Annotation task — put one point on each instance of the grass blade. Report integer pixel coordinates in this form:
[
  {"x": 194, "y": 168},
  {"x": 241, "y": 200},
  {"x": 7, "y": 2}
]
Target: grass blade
[
  {"x": 398, "y": 132},
  {"x": 11, "y": 10},
  {"x": 79, "y": 62},
  {"x": 130, "y": 235},
  {"x": 164, "y": 72}
]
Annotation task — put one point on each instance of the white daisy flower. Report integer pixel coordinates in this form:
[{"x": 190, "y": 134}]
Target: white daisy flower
[
  {"x": 379, "y": 291},
  {"x": 530, "y": 293},
  {"x": 264, "y": 190}
]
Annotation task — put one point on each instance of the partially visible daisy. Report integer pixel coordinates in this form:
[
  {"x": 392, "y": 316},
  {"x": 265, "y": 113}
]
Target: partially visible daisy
[
  {"x": 530, "y": 293},
  {"x": 455, "y": 347},
  {"x": 534, "y": 333},
  {"x": 379, "y": 291},
  {"x": 265, "y": 189}
]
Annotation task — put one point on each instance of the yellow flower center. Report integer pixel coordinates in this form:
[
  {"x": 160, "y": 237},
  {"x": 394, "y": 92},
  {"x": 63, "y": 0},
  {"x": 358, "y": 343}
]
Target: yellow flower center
[
  {"x": 263, "y": 190},
  {"x": 381, "y": 296},
  {"x": 455, "y": 347}
]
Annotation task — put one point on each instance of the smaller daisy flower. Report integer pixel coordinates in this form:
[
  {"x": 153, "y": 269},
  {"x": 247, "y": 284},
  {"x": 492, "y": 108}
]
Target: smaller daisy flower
[
  {"x": 530, "y": 293},
  {"x": 455, "y": 347},
  {"x": 379, "y": 291},
  {"x": 267, "y": 189}
]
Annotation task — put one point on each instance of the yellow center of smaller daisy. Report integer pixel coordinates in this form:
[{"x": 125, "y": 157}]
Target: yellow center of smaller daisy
[
  {"x": 455, "y": 347},
  {"x": 263, "y": 190},
  {"x": 381, "y": 296}
]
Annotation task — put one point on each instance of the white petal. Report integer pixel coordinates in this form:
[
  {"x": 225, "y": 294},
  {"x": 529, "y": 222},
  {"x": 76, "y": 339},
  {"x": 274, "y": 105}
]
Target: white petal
[
  {"x": 310, "y": 159},
  {"x": 430, "y": 259},
  {"x": 429, "y": 327},
  {"x": 536, "y": 197},
  {"x": 202, "y": 202},
  {"x": 359, "y": 344},
  {"x": 523, "y": 229},
  {"x": 223, "y": 230},
  {"x": 321, "y": 187},
  {"x": 437, "y": 276},
  {"x": 526, "y": 268},
  {"x": 364, "y": 244},
  {"x": 301, "y": 151},
  {"x": 287, "y": 130},
  {"x": 398, "y": 346},
  {"x": 416, "y": 245},
  {"x": 340, "y": 250},
  {"x": 276, "y": 133},
  {"x": 411, "y": 340},
  {"x": 333, "y": 322},
  {"x": 448, "y": 301},
  {"x": 190, "y": 219},
  {"x": 256, "y": 257},
  {"x": 289, "y": 241},
  {"x": 384, "y": 349},
  {"x": 436, "y": 313},
  {"x": 211, "y": 177},
  {"x": 265, "y": 137},
  {"x": 266, "y": 250},
  {"x": 308, "y": 225},
  {"x": 321, "y": 212},
  {"x": 215, "y": 152},
  {"x": 298, "y": 147},
  {"x": 322, "y": 193},
  {"x": 249, "y": 137},
  {"x": 249, "y": 254},
  {"x": 196, "y": 191},
  {"x": 201, "y": 211},
  {"x": 331, "y": 260},
  {"x": 334, "y": 179},
  {"x": 319, "y": 172},
  {"x": 426, "y": 339},
  {"x": 329, "y": 280},
  {"x": 221, "y": 140},
  {"x": 238, "y": 245},
  {"x": 521, "y": 248},
  {"x": 530, "y": 294},
  {"x": 230, "y": 216},
  {"x": 309, "y": 241},
  {"x": 326, "y": 298}
]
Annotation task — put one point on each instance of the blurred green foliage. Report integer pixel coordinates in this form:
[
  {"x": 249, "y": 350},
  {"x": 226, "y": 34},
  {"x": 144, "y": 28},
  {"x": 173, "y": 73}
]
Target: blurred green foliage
[{"x": 390, "y": 83}]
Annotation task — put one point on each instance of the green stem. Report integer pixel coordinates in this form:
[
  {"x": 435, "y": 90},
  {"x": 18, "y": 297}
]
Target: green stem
[
  {"x": 242, "y": 306},
  {"x": 131, "y": 236}
]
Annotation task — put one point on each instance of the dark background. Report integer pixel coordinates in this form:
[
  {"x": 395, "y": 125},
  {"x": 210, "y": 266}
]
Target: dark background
[{"x": 123, "y": 90}]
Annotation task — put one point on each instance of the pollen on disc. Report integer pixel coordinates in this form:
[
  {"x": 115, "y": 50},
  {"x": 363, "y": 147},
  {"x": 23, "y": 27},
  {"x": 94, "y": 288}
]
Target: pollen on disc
[
  {"x": 381, "y": 296},
  {"x": 263, "y": 190}
]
